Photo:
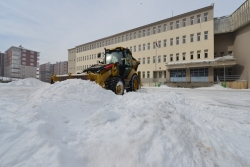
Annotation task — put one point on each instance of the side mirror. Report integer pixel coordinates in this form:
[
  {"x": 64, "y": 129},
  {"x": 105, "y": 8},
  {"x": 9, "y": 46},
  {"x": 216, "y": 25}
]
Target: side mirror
[{"x": 99, "y": 55}]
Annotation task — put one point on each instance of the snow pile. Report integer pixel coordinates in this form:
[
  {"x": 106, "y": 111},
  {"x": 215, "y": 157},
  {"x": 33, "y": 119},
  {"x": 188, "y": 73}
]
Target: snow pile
[
  {"x": 77, "y": 123},
  {"x": 27, "y": 82}
]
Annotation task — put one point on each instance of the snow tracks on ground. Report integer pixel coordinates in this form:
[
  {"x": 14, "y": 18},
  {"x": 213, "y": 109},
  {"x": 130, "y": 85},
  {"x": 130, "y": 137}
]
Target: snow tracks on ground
[{"x": 77, "y": 123}]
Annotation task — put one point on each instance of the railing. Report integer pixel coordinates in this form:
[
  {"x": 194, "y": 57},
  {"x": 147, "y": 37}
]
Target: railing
[
  {"x": 231, "y": 78},
  {"x": 235, "y": 21}
]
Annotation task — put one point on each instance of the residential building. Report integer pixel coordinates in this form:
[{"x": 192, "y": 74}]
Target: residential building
[
  {"x": 21, "y": 63},
  {"x": 61, "y": 68},
  {"x": 1, "y": 64},
  {"x": 46, "y": 71},
  {"x": 187, "y": 48}
]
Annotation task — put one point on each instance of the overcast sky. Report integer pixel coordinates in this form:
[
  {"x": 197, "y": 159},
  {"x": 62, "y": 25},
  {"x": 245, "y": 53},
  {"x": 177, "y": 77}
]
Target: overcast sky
[{"x": 53, "y": 26}]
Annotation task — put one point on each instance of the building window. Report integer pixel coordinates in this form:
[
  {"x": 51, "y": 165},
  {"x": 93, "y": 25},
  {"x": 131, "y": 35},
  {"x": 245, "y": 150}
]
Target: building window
[
  {"x": 23, "y": 58},
  {"x": 184, "y": 22},
  {"x": 31, "y": 60},
  {"x": 177, "y": 40},
  {"x": 135, "y": 35},
  {"x": 198, "y": 36},
  {"x": 144, "y": 47},
  {"x": 115, "y": 40},
  {"x": 143, "y": 33},
  {"x": 159, "y": 59},
  {"x": 229, "y": 70},
  {"x": 177, "y": 56},
  {"x": 148, "y": 31},
  {"x": 164, "y": 58},
  {"x": 148, "y": 74},
  {"x": 183, "y": 56},
  {"x": 159, "y": 44},
  {"x": 118, "y": 39},
  {"x": 153, "y": 59},
  {"x": 148, "y": 46},
  {"x": 154, "y": 30},
  {"x": 139, "y": 59},
  {"x": 165, "y": 43},
  {"x": 131, "y": 36},
  {"x": 191, "y": 37},
  {"x": 153, "y": 45},
  {"x": 206, "y": 35},
  {"x": 122, "y": 38},
  {"x": 192, "y": 20},
  {"x": 198, "y": 18},
  {"x": 134, "y": 48},
  {"x": 205, "y": 17},
  {"x": 165, "y": 27},
  {"x": 177, "y": 24},
  {"x": 139, "y": 34},
  {"x": 165, "y": 74},
  {"x": 155, "y": 74},
  {"x": 130, "y": 48},
  {"x": 139, "y": 47},
  {"x": 191, "y": 55},
  {"x": 148, "y": 60},
  {"x": 159, "y": 29},
  {"x": 221, "y": 54},
  {"x": 23, "y": 63},
  {"x": 206, "y": 53},
  {"x": 143, "y": 60},
  {"x": 171, "y": 57},
  {"x": 126, "y": 37},
  {"x": 184, "y": 39},
  {"x": 171, "y": 26},
  {"x": 31, "y": 56},
  {"x": 198, "y": 54},
  {"x": 143, "y": 74},
  {"x": 171, "y": 41},
  {"x": 160, "y": 74}
]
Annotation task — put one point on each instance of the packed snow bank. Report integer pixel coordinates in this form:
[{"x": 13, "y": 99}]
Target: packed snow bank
[
  {"x": 27, "y": 82},
  {"x": 77, "y": 123}
]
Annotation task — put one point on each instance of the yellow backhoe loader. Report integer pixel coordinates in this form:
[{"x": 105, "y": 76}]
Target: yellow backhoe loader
[{"x": 117, "y": 72}]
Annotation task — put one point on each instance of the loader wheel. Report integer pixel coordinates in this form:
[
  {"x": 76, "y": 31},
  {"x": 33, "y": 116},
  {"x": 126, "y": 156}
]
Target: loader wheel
[
  {"x": 116, "y": 85},
  {"x": 134, "y": 83}
]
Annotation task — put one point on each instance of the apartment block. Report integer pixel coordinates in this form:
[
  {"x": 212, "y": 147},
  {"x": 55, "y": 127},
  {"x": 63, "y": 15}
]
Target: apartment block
[
  {"x": 61, "y": 68},
  {"x": 182, "y": 49},
  {"x": 21, "y": 63},
  {"x": 1, "y": 64},
  {"x": 46, "y": 71}
]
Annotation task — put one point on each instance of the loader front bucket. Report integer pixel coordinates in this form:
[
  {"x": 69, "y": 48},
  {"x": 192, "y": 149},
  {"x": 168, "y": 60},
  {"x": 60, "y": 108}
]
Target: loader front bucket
[{"x": 55, "y": 78}]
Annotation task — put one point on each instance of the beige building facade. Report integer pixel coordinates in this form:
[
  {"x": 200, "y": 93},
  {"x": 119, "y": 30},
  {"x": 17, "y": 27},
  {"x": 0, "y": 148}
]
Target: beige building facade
[{"x": 185, "y": 50}]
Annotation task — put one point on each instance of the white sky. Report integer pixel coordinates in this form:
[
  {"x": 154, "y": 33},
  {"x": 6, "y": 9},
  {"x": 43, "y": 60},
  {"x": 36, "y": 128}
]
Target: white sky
[{"x": 53, "y": 26}]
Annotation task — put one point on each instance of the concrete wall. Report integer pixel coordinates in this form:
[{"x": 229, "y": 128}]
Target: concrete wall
[
  {"x": 242, "y": 51},
  {"x": 223, "y": 43}
]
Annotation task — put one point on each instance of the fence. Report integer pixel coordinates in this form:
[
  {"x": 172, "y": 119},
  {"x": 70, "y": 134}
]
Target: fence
[{"x": 234, "y": 81}]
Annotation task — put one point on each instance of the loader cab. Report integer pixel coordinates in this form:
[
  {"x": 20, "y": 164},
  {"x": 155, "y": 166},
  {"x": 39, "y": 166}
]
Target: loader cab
[{"x": 123, "y": 57}]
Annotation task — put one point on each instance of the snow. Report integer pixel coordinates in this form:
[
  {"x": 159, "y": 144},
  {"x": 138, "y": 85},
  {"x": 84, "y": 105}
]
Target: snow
[{"x": 77, "y": 123}]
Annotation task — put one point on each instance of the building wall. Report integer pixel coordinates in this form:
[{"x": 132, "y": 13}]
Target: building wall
[
  {"x": 21, "y": 63},
  {"x": 1, "y": 64},
  {"x": 242, "y": 52},
  {"x": 85, "y": 55},
  {"x": 223, "y": 43}
]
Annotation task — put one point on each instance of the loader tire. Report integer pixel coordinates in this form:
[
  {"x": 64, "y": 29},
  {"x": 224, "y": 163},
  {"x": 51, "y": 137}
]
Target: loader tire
[
  {"x": 116, "y": 84},
  {"x": 133, "y": 84}
]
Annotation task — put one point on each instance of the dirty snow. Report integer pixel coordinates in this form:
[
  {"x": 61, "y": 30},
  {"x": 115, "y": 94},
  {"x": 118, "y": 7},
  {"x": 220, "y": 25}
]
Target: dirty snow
[{"x": 77, "y": 123}]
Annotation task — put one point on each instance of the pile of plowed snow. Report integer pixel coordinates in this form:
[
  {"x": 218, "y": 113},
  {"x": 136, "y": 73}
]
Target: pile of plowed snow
[
  {"x": 78, "y": 123},
  {"x": 27, "y": 82}
]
